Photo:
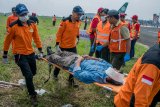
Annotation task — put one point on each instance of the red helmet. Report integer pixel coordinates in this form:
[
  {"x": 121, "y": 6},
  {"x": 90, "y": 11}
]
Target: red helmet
[
  {"x": 122, "y": 14},
  {"x": 100, "y": 10},
  {"x": 135, "y": 17}
]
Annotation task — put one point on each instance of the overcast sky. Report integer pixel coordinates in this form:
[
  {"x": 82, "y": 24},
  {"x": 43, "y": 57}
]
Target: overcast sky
[{"x": 143, "y": 8}]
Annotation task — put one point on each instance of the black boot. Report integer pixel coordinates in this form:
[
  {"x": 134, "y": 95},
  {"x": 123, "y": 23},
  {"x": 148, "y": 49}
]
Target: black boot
[
  {"x": 34, "y": 101},
  {"x": 72, "y": 83}
]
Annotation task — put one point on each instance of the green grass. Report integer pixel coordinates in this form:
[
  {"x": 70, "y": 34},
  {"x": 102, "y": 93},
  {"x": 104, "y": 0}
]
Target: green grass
[{"x": 58, "y": 93}]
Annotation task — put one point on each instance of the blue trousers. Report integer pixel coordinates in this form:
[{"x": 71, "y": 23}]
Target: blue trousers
[{"x": 132, "y": 51}]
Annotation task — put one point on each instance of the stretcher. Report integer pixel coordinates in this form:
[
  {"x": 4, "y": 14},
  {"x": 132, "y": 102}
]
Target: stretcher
[{"x": 108, "y": 86}]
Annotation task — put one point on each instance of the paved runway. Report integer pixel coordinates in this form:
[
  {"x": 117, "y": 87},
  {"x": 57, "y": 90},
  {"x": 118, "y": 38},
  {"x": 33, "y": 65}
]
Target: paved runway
[{"x": 148, "y": 36}]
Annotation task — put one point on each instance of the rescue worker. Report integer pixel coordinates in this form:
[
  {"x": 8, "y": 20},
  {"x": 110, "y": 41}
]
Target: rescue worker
[
  {"x": 119, "y": 43},
  {"x": 92, "y": 29},
  {"x": 11, "y": 18},
  {"x": 54, "y": 20},
  {"x": 122, "y": 18},
  {"x": 134, "y": 34},
  {"x": 102, "y": 37},
  {"x": 34, "y": 18},
  {"x": 142, "y": 88},
  {"x": 67, "y": 36},
  {"x": 22, "y": 32}
]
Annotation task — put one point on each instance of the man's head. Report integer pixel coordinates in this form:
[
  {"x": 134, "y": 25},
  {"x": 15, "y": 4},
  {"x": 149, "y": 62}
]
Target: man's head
[
  {"x": 22, "y": 12},
  {"x": 113, "y": 16},
  {"x": 77, "y": 12},
  {"x": 14, "y": 11},
  {"x": 99, "y": 11},
  {"x": 122, "y": 16},
  {"x": 134, "y": 18},
  {"x": 104, "y": 15},
  {"x": 114, "y": 76}
]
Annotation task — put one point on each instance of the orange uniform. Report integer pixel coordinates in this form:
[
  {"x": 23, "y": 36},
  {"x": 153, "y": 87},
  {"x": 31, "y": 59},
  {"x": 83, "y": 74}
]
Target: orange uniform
[
  {"x": 68, "y": 33},
  {"x": 10, "y": 19},
  {"x": 22, "y": 36},
  {"x": 143, "y": 81},
  {"x": 103, "y": 33},
  {"x": 117, "y": 43}
]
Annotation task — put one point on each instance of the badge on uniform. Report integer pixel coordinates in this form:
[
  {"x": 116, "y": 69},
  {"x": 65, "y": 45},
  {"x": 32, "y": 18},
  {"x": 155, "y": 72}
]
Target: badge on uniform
[
  {"x": 31, "y": 30},
  {"x": 147, "y": 80}
]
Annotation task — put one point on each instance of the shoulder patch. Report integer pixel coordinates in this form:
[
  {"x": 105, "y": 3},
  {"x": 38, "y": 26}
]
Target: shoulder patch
[
  {"x": 67, "y": 18},
  {"x": 29, "y": 22}
]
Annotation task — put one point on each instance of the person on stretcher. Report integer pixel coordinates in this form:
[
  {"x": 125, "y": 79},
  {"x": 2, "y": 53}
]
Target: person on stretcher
[{"x": 87, "y": 69}]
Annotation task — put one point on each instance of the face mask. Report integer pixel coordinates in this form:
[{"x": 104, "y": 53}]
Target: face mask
[
  {"x": 103, "y": 18},
  {"x": 24, "y": 18}
]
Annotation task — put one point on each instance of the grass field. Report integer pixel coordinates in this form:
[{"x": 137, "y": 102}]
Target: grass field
[{"x": 58, "y": 92}]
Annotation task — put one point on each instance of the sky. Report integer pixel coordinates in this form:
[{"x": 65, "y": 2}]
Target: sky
[{"x": 143, "y": 8}]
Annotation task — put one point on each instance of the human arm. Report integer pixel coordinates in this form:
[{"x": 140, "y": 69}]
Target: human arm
[
  {"x": 125, "y": 34},
  {"x": 60, "y": 32},
  {"x": 94, "y": 24},
  {"x": 8, "y": 39},
  {"x": 145, "y": 85},
  {"x": 137, "y": 27}
]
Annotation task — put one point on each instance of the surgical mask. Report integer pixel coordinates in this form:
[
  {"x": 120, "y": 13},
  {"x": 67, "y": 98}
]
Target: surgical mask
[
  {"x": 24, "y": 18},
  {"x": 103, "y": 18}
]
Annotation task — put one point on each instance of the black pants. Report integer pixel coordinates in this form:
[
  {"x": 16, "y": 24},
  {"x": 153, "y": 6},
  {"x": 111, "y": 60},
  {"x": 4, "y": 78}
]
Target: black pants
[
  {"x": 132, "y": 51},
  {"x": 54, "y": 23},
  {"x": 27, "y": 64},
  {"x": 104, "y": 54},
  {"x": 85, "y": 26},
  {"x": 117, "y": 60},
  {"x": 56, "y": 70},
  {"x": 91, "y": 43}
]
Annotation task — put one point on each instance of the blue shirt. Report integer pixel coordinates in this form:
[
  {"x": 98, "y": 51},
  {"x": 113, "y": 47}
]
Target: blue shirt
[{"x": 90, "y": 71}]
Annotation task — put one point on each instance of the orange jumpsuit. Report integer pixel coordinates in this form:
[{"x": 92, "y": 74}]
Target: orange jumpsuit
[
  {"x": 143, "y": 81},
  {"x": 22, "y": 36},
  {"x": 68, "y": 33}
]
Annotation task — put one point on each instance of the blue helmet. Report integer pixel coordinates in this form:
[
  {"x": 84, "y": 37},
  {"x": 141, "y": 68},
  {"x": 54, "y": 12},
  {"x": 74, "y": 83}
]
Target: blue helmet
[
  {"x": 21, "y": 9},
  {"x": 78, "y": 9}
]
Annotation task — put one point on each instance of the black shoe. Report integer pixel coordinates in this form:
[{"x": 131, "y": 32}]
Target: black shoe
[
  {"x": 34, "y": 101},
  {"x": 73, "y": 84}
]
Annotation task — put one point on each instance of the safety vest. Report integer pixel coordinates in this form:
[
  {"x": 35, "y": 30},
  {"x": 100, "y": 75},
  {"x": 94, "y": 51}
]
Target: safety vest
[
  {"x": 133, "y": 30},
  {"x": 125, "y": 23},
  {"x": 117, "y": 43},
  {"x": 89, "y": 31},
  {"x": 103, "y": 33}
]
